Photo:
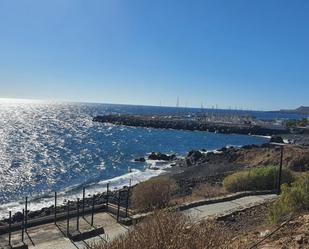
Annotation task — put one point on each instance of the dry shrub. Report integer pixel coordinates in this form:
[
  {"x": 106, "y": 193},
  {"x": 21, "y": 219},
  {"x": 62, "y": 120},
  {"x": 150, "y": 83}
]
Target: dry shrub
[
  {"x": 152, "y": 194},
  {"x": 300, "y": 163},
  {"x": 203, "y": 191},
  {"x": 165, "y": 230},
  {"x": 207, "y": 190}
]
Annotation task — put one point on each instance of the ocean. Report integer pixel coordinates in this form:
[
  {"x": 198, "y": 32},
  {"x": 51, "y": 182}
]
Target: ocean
[{"x": 47, "y": 147}]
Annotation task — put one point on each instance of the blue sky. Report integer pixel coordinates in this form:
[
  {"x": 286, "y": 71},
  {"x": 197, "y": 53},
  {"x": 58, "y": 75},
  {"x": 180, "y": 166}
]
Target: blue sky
[{"x": 241, "y": 53}]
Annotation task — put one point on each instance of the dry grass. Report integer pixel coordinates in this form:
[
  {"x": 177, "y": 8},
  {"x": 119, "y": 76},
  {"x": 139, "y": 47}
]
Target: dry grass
[
  {"x": 152, "y": 194},
  {"x": 203, "y": 191},
  {"x": 294, "y": 157},
  {"x": 167, "y": 230},
  {"x": 207, "y": 190}
]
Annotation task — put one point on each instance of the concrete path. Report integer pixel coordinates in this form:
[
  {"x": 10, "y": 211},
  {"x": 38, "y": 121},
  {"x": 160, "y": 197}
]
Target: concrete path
[
  {"x": 52, "y": 236},
  {"x": 202, "y": 212}
]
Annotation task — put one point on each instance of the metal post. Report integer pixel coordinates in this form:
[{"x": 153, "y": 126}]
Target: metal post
[
  {"x": 77, "y": 219},
  {"x": 92, "y": 210},
  {"x": 118, "y": 206},
  {"x": 55, "y": 208},
  {"x": 280, "y": 171},
  {"x": 68, "y": 218},
  {"x": 10, "y": 226},
  {"x": 127, "y": 204},
  {"x": 26, "y": 213},
  {"x": 84, "y": 191},
  {"x": 107, "y": 195},
  {"x": 23, "y": 226}
]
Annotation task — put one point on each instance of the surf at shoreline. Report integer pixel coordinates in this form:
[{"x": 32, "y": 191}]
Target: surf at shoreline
[
  {"x": 46, "y": 148},
  {"x": 153, "y": 168}
]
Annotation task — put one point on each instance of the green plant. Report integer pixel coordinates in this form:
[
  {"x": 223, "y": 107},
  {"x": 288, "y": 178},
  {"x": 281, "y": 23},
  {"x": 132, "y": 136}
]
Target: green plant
[
  {"x": 259, "y": 178},
  {"x": 296, "y": 122},
  {"x": 293, "y": 199}
]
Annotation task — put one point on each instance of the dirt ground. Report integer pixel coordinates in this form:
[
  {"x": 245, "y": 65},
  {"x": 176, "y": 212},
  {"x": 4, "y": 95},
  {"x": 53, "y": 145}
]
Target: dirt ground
[
  {"x": 251, "y": 230},
  {"x": 295, "y": 157}
]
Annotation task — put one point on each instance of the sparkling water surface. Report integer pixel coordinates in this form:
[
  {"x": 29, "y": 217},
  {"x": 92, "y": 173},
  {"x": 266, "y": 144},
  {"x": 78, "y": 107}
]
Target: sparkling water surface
[{"x": 47, "y": 147}]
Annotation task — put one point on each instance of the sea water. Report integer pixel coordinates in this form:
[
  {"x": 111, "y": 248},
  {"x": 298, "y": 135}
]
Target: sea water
[{"x": 47, "y": 147}]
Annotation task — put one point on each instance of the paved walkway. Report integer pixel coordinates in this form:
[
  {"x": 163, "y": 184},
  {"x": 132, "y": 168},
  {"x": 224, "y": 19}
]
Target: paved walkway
[
  {"x": 216, "y": 209},
  {"x": 52, "y": 236}
]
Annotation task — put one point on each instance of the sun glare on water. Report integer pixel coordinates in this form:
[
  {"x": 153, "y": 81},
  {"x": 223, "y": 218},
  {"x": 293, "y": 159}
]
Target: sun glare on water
[{"x": 24, "y": 101}]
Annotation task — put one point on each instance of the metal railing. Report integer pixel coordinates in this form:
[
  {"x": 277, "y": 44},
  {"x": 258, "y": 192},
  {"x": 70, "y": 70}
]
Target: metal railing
[{"x": 116, "y": 202}]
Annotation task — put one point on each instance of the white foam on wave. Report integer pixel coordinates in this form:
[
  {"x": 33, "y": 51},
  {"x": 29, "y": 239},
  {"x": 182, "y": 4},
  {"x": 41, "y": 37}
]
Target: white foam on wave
[
  {"x": 210, "y": 151},
  {"x": 263, "y": 136},
  {"x": 287, "y": 141},
  {"x": 72, "y": 193},
  {"x": 217, "y": 151},
  {"x": 158, "y": 164}
]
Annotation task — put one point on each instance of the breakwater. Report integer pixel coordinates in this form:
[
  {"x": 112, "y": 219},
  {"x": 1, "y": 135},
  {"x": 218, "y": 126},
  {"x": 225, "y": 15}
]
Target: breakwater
[{"x": 182, "y": 123}]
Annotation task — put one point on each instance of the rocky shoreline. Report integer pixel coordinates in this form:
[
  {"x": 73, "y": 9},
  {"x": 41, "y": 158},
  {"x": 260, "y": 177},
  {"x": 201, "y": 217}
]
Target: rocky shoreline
[
  {"x": 180, "y": 123},
  {"x": 201, "y": 166},
  {"x": 300, "y": 139}
]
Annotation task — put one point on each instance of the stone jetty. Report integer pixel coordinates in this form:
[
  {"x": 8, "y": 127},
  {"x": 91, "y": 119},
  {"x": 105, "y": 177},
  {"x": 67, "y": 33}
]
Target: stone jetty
[{"x": 182, "y": 123}]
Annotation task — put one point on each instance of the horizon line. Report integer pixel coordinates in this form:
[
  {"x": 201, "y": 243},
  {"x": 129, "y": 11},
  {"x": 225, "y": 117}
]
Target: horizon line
[{"x": 39, "y": 100}]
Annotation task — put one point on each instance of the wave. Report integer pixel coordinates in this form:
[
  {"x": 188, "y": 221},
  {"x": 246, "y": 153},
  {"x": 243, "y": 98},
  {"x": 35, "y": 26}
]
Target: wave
[
  {"x": 72, "y": 193},
  {"x": 45, "y": 146}
]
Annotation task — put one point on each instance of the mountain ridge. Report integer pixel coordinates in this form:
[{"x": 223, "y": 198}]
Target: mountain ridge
[{"x": 299, "y": 110}]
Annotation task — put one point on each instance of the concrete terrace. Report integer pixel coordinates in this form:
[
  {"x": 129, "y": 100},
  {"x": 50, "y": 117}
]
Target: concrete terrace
[{"x": 52, "y": 236}]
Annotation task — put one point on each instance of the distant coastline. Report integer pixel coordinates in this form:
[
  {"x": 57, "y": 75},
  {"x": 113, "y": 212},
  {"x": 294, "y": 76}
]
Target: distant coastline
[{"x": 302, "y": 110}]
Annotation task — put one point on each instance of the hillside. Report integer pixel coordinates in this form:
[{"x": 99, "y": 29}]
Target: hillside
[{"x": 299, "y": 110}]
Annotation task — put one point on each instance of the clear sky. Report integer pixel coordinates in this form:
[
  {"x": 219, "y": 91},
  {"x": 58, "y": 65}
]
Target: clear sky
[{"x": 244, "y": 53}]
